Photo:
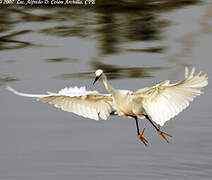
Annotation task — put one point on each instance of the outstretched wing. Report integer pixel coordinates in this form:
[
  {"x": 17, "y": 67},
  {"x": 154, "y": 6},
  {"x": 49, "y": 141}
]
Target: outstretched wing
[
  {"x": 89, "y": 104},
  {"x": 164, "y": 101}
]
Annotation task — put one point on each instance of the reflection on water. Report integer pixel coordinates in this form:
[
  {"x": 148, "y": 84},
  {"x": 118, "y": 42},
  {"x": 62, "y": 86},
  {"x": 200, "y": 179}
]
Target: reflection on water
[
  {"x": 143, "y": 5},
  {"x": 127, "y": 21},
  {"x": 4, "y": 79},
  {"x": 62, "y": 59},
  {"x": 188, "y": 41},
  {"x": 145, "y": 27},
  {"x": 8, "y": 42},
  {"x": 115, "y": 72},
  {"x": 149, "y": 50},
  {"x": 65, "y": 31},
  {"x": 127, "y": 39}
]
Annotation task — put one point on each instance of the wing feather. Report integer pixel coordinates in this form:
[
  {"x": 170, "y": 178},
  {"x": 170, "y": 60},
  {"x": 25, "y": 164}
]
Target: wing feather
[
  {"x": 164, "y": 101},
  {"x": 89, "y": 104}
]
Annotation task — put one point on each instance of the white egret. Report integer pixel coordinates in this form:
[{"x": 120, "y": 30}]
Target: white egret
[{"x": 159, "y": 103}]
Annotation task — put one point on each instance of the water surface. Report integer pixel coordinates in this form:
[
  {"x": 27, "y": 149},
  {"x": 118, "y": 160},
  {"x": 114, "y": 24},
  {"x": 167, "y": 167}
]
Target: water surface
[{"x": 137, "y": 45}]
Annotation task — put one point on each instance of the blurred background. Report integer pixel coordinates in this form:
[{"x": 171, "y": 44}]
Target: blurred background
[{"x": 137, "y": 43}]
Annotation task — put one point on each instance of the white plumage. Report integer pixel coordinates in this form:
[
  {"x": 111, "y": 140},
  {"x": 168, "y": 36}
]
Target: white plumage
[
  {"x": 164, "y": 101},
  {"x": 89, "y": 104},
  {"x": 160, "y": 102}
]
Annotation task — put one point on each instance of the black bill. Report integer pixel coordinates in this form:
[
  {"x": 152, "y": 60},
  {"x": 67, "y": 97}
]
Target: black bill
[{"x": 96, "y": 79}]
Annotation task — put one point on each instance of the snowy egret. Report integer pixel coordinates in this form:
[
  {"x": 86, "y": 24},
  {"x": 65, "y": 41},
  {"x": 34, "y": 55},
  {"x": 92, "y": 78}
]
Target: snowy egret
[{"x": 159, "y": 103}]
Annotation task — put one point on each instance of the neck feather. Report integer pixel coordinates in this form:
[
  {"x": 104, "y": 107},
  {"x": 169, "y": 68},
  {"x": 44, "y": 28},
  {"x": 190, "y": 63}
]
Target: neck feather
[{"x": 107, "y": 85}]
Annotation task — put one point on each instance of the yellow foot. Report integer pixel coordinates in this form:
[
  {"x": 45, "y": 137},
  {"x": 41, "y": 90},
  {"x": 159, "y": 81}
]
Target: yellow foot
[
  {"x": 163, "y": 134},
  {"x": 143, "y": 140}
]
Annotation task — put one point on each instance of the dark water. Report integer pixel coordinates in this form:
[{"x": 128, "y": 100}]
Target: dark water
[{"x": 137, "y": 44}]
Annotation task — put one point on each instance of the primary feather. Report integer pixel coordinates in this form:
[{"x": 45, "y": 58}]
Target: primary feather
[
  {"x": 164, "y": 101},
  {"x": 89, "y": 104},
  {"x": 158, "y": 103},
  {"x": 161, "y": 102}
]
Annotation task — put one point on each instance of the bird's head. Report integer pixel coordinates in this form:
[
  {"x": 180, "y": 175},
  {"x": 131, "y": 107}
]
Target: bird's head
[{"x": 98, "y": 73}]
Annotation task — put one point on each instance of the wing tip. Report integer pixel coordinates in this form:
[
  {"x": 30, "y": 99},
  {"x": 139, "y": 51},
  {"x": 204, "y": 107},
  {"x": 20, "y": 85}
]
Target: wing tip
[
  {"x": 186, "y": 71},
  {"x": 189, "y": 73},
  {"x": 203, "y": 77},
  {"x": 11, "y": 90}
]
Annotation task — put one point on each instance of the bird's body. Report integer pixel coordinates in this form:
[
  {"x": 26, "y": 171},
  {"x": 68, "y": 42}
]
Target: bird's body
[
  {"x": 122, "y": 104},
  {"x": 158, "y": 103},
  {"x": 125, "y": 105}
]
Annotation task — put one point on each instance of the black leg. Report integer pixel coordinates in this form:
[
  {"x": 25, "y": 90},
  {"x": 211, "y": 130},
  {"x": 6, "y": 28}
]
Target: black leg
[
  {"x": 140, "y": 136},
  {"x": 158, "y": 129},
  {"x": 137, "y": 126},
  {"x": 147, "y": 117}
]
